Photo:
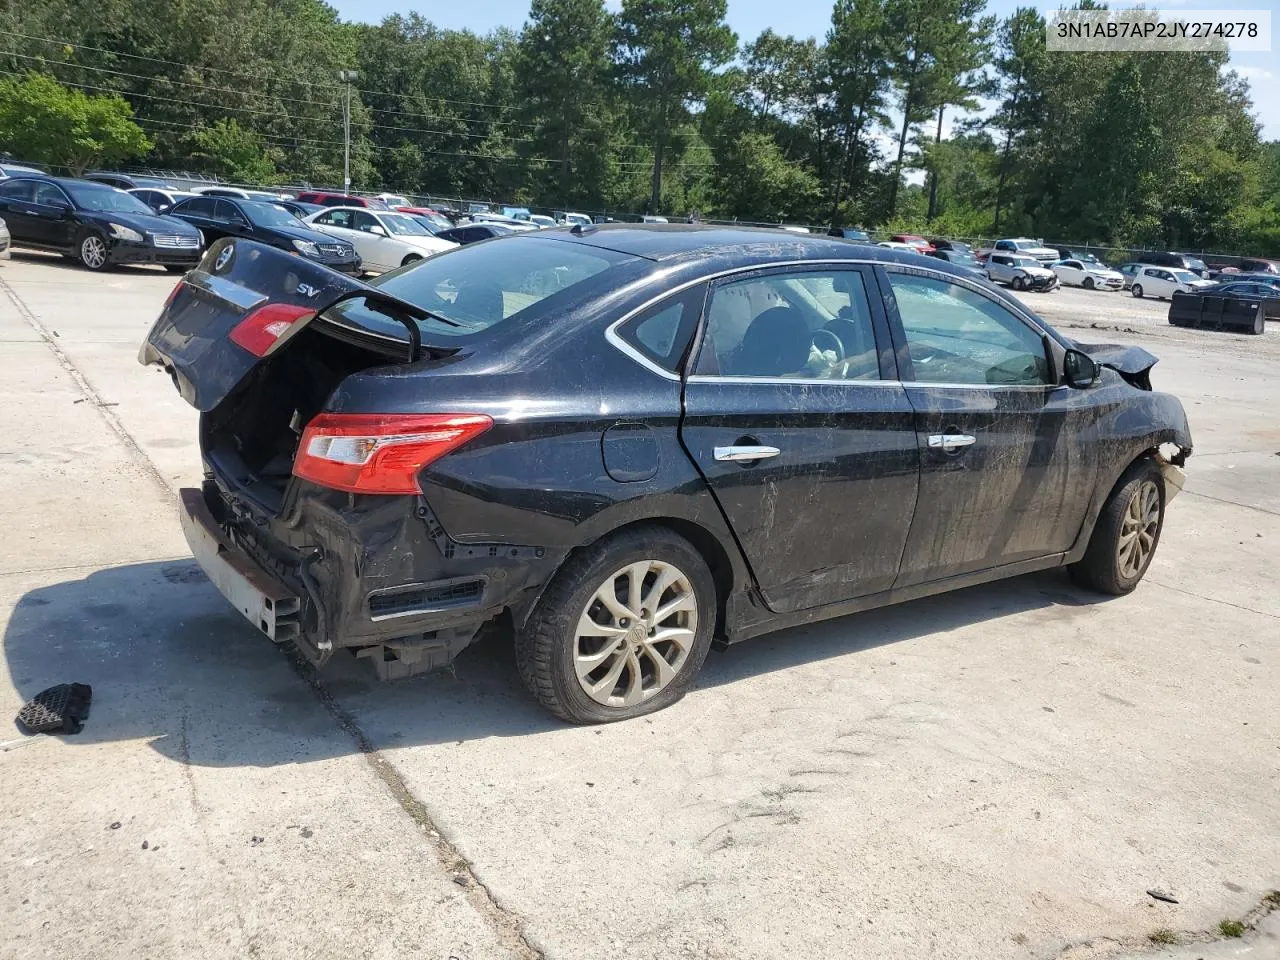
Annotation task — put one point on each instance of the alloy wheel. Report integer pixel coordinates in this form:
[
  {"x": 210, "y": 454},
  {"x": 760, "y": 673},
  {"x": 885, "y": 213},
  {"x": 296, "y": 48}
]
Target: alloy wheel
[
  {"x": 93, "y": 252},
  {"x": 1138, "y": 530},
  {"x": 635, "y": 635},
  {"x": 1137, "y": 290}
]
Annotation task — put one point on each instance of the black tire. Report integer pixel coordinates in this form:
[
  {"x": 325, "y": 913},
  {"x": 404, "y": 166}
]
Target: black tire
[
  {"x": 1018, "y": 283},
  {"x": 92, "y": 252},
  {"x": 411, "y": 258},
  {"x": 547, "y": 646},
  {"x": 1136, "y": 290},
  {"x": 1101, "y": 566},
  {"x": 1088, "y": 283}
]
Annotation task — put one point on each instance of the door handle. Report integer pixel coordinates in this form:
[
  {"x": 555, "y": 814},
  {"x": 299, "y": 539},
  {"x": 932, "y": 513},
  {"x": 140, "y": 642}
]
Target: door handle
[
  {"x": 950, "y": 442},
  {"x": 746, "y": 453}
]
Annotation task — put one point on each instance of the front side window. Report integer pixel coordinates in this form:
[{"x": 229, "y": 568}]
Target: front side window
[
  {"x": 49, "y": 195},
  {"x": 792, "y": 326},
  {"x": 956, "y": 335},
  {"x": 364, "y": 222}
]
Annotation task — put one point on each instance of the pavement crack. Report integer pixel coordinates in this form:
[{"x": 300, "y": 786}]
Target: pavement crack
[
  {"x": 508, "y": 925},
  {"x": 1267, "y": 904},
  {"x": 1201, "y": 596},
  {"x": 104, "y": 407},
  {"x": 1233, "y": 503}
]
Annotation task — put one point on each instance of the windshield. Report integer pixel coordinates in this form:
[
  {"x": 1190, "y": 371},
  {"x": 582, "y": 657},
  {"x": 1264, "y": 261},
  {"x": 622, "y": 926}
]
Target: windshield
[
  {"x": 104, "y": 199},
  {"x": 1025, "y": 262},
  {"x": 402, "y": 225},
  {"x": 481, "y": 285},
  {"x": 270, "y": 215},
  {"x": 1195, "y": 264},
  {"x": 1186, "y": 276},
  {"x": 965, "y": 259},
  {"x": 427, "y": 224}
]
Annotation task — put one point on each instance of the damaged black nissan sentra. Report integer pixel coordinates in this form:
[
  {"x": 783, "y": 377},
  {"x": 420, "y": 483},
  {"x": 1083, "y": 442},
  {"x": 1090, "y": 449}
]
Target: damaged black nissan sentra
[{"x": 619, "y": 444}]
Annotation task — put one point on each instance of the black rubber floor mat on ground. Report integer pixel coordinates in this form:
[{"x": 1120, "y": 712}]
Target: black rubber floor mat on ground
[{"x": 60, "y": 709}]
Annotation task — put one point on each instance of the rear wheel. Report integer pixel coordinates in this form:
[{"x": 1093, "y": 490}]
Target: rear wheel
[
  {"x": 93, "y": 252},
  {"x": 622, "y": 630},
  {"x": 1127, "y": 533},
  {"x": 1137, "y": 290}
]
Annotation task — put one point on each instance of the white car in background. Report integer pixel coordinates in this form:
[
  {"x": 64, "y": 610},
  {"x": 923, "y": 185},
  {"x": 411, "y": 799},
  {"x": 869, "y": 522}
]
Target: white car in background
[
  {"x": 542, "y": 221},
  {"x": 1149, "y": 281},
  {"x": 393, "y": 200},
  {"x": 570, "y": 219},
  {"x": 4, "y": 240},
  {"x": 1091, "y": 276},
  {"x": 384, "y": 239}
]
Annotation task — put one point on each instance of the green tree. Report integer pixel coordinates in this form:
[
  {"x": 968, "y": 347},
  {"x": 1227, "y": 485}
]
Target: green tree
[
  {"x": 44, "y": 121},
  {"x": 666, "y": 50},
  {"x": 227, "y": 150},
  {"x": 1020, "y": 51},
  {"x": 857, "y": 55},
  {"x": 562, "y": 74}
]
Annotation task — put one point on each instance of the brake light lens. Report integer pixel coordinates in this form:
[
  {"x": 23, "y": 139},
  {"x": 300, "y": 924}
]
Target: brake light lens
[
  {"x": 177, "y": 289},
  {"x": 380, "y": 452},
  {"x": 269, "y": 326}
]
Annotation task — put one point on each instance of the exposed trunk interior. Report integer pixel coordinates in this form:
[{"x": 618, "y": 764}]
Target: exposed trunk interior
[{"x": 252, "y": 436}]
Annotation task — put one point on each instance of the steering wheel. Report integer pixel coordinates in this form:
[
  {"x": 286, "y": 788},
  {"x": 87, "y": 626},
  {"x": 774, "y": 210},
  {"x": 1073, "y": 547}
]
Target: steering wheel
[{"x": 836, "y": 344}]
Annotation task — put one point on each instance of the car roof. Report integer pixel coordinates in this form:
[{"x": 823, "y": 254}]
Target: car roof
[{"x": 680, "y": 241}]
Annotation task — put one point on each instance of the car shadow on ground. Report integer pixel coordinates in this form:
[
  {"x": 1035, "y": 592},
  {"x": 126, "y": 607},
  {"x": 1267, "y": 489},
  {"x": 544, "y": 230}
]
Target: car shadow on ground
[
  {"x": 171, "y": 663},
  {"x": 67, "y": 263}
]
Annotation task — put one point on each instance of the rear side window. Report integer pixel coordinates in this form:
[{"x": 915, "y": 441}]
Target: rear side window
[
  {"x": 17, "y": 190},
  {"x": 956, "y": 335},
  {"x": 197, "y": 207},
  {"x": 662, "y": 333},
  {"x": 791, "y": 326}
]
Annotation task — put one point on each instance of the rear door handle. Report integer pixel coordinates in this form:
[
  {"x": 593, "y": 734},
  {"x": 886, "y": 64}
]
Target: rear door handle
[
  {"x": 746, "y": 453},
  {"x": 950, "y": 442}
]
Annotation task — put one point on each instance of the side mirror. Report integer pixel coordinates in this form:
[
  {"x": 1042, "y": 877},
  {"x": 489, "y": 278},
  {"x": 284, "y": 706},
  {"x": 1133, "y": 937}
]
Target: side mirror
[
  {"x": 377, "y": 231},
  {"x": 1079, "y": 370},
  {"x": 163, "y": 208}
]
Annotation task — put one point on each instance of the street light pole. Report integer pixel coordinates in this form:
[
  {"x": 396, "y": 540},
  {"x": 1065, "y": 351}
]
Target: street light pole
[{"x": 347, "y": 77}]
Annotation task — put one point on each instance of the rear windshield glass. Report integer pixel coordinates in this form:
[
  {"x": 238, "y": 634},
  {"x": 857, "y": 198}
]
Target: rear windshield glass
[{"x": 481, "y": 285}]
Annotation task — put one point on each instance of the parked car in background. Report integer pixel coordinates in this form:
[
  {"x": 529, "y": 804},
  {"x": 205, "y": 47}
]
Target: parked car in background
[
  {"x": 941, "y": 243},
  {"x": 1020, "y": 272},
  {"x": 240, "y": 193},
  {"x": 1024, "y": 246},
  {"x": 1091, "y": 276},
  {"x": 1271, "y": 279},
  {"x": 898, "y": 245},
  {"x": 1078, "y": 253},
  {"x": 392, "y": 200},
  {"x": 1128, "y": 271},
  {"x": 1176, "y": 261},
  {"x": 127, "y": 181},
  {"x": 161, "y": 201},
  {"x": 570, "y": 218},
  {"x": 658, "y": 474},
  {"x": 1152, "y": 281},
  {"x": 651, "y": 218},
  {"x": 1252, "y": 265},
  {"x": 5, "y": 240},
  {"x": 856, "y": 234},
  {"x": 465, "y": 233},
  {"x": 94, "y": 223},
  {"x": 301, "y": 210},
  {"x": 1267, "y": 295},
  {"x": 505, "y": 221},
  {"x": 384, "y": 239},
  {"x": 435, "y": 217},
  {"x": 8, "y": 169},
  {"x": 912, "y": 240},
  {"x": 268, "y": 223},
  {"x": 962, "y": 259},
  {"x": 517, "y": 213},
  {"x": 542, "y": 221},
  {"x": 324, "y": 199}
]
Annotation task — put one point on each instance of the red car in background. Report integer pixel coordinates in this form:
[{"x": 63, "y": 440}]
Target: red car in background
[
  {"x": 435, "y": 216},
  {"x": 920, "y": 243},
  {"x": 339, "y": 200}
]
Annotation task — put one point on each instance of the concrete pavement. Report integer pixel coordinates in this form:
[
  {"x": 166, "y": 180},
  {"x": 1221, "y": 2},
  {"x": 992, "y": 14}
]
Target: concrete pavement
[{"x": 1000, "y": 772}]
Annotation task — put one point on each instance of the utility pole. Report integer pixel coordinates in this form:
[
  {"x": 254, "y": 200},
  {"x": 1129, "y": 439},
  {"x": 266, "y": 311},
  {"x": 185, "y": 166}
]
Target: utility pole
[{"x": 347, "y": 77}]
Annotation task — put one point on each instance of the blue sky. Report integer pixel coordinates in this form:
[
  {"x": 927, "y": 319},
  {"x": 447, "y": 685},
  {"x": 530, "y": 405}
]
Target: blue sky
[{"x": 812, "y": 17}]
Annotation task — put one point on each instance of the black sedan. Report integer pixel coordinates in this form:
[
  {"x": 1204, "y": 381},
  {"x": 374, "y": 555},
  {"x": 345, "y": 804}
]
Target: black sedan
[
  {"x": 268, "y": 223},
  {"x": 471, "y": 232},
  {"x": 97, "y": 224},
  {"x": 963, "y": 259},
  {"x": 1267, "y": 294},
  {"x": 616, "y": 444}
]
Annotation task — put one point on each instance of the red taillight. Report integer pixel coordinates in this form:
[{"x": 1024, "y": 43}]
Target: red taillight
[
  {"x": 267, "y": 327},
  {"x": 177, "y": 289},
  {"x": 380, "y": 452}
]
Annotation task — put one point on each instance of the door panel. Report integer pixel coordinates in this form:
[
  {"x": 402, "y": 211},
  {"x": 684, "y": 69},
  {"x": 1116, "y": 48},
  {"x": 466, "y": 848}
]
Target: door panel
[
  {"x": 810, "y": 454},
  {"x": 1008, "y": 458}
]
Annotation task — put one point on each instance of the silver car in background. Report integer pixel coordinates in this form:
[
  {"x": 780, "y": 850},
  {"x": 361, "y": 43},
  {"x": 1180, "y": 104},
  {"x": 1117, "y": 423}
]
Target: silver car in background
[{"x": 4, "y": 240}]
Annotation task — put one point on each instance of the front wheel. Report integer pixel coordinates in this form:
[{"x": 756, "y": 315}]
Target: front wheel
[
  {"x": 1088, "y": 283},
  {"x": 93, "y": 252},
  {"x": 1127, "y": 533},
  {"x": 411, "y": 258},
  {"x": 1018, "y": 283},
  {"x": 1137, "y": 290},
  {"x": 622, "y": 630}
]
